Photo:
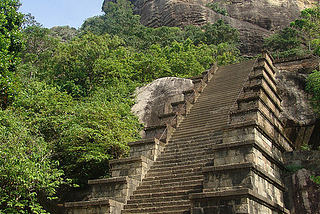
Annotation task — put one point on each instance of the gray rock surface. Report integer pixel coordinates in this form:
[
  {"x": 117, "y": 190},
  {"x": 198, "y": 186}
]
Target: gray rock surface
[
  {"x": 303, "y": 194},
  {"x": 298, "y": 116},
  {"x": 156, "y": 98},
  {"x": 255, "y": 19}
]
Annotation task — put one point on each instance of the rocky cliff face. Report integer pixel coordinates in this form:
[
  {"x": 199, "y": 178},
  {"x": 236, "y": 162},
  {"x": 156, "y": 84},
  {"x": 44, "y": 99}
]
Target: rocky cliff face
[
  {"x": 303, "y": 194},
  {"x": 255, "y": 19},
  {"x": 298, "y": 116}
]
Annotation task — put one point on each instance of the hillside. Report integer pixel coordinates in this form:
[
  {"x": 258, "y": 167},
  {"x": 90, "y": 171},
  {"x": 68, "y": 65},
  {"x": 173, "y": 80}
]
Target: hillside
[{"x": 255, "y": 19}]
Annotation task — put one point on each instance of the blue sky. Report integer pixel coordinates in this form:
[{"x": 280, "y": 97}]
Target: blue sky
[{"x": 52, "y": 13}]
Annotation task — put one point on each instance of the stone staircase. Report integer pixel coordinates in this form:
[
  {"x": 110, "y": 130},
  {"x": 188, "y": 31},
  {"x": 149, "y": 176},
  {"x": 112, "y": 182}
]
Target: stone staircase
[
  {"x": 178, "y": 170},
  {"x": 175, "y": 174},
  {"x": 194, "y": 169}
]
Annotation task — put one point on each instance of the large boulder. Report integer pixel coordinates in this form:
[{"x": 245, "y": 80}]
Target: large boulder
[{"x": 155, "y": 98}]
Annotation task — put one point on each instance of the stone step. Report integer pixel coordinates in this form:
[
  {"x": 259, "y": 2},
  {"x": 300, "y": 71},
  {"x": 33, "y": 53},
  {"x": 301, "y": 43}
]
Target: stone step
[
  {"x": 185, "y": 159},
  {"x": 172, "y": 181},
  {"x": 204, "y": 118},
  {"x": 160, "y": 172},
  {"x": 156, "y": 204},
  {"x": 218, "y": 95},
  {"x": 160, "y": 212},
  {"x": 191, "y": 144},
  {"x": 159, "y": 199},
  {"x": 179, "y": 164},
  {"x": 168, "y": 188},
  {"x": 172, "y": 177},
  {"x": 162, "y": 209},
  {"x": 158, "y": 168},
  {"x": 203, "y": 124},
  {"x": 196, "y": 132},
  {"x": 173, "y": 184},
  {"x": 183, "y": 141},
  {"x": 188, "y": 131},
  {"x": 193, "y": 147},
  {"x": 151, "y": 197},
  {"x": 196, "y": 154}
]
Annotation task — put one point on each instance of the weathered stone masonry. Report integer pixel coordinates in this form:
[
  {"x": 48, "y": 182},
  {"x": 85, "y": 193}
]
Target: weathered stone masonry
[
  {"x": 245, "y": 176},
  {"x": 224, "y": 157}
]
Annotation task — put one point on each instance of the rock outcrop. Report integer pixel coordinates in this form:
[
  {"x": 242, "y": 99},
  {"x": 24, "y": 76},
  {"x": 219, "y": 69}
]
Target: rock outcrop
[
  {"x": 255, "y": 19},
  {"x": 298, "y": 115},
  {"x": 155, "y": 98},
  {"x": 303, "y": 194}
]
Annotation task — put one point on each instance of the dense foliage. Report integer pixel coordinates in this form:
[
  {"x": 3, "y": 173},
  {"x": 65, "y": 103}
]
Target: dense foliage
[
  {"x": 300, "y": 38},
  {"x": 10, "y": 46},
  {"x": 313, "y": 85},
  {"x": 216, "y": 7},
  {"x": 72, "y": 113}
]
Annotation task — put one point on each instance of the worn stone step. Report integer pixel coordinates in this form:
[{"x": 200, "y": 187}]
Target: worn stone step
[
  {"x": 159, "y": 199},
  {"x": 175, "y": 171},
  {"x": 191, "y": 145},
  {"x": 172, "y": 178},
  {"x": 202, "y": 123},
  {"x": 182, "y": 155},
  {"x": 175, "y": 167},
  {"x": 156, "y": 204},
  {"x": 181, "y": 164},
  {"x": 174, "y": 184},
  {"x": 165, "y": 195},
  {"x": 197, "y": 132},
  {"x": 187, "y": 158},
  {"x": 210, "y": 114},
  {"x": 195, "y": 147},
  {"x": 215, "y": 97},
  {"x": 194, "y": 138},
  {"x": 199, "y": 126},
  {"x": 160, "y": 212},
  {"x": 205, "y": 123},
  {"x": 162, "y": 209},
  {"x": 194, "y": 126},
  {"x": 169, "y": 188},
  {"x": 209, "y": 128}
]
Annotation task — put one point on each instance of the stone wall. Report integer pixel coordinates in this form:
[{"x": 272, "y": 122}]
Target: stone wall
[{"x": 245, "y": 175}]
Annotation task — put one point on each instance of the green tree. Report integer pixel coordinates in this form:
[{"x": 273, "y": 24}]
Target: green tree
[
  {"x": 313, "y": 85},
  {"x": 309, "y": 24},
  {"x": 39, "y": 45},
  {"x": 76, "y": 66},
  {"x": 216, "y": 7},
  {"x": 97, "y": 131},
  {"x": 284, "y": 40},
  {"x": 219, "y": 32},
  {"x": 25, "y": 166},
  {"x": 64, "y": 33},
  {"x": 117, "y": 20},
  {"x": 10, "y": 46},
  {"x": 84, "y": 134}
]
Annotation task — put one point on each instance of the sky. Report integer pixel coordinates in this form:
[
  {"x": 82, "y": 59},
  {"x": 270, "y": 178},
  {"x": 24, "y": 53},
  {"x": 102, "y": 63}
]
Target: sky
[{"x": 52, "y": 13}]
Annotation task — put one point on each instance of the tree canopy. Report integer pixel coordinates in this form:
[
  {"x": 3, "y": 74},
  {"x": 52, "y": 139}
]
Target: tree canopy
[
  {"x": 10, "y": 47},
  {"x": 300, "y": 38},
  {"x": 72, "y": 112}
]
